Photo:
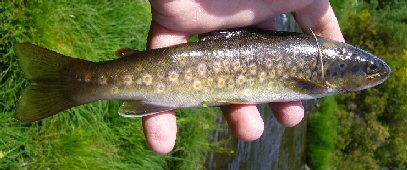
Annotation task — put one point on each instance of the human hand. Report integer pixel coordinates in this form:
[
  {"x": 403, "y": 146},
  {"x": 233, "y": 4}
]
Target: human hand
[{"x": 174, "y": 21}]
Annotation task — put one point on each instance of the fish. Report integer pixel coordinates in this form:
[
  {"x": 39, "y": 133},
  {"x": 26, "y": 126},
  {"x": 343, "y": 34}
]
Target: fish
[{"x": 234, "y": 66}]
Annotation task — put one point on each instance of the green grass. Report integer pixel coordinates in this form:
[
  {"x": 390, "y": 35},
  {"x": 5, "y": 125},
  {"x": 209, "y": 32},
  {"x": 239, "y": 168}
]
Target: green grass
[
  {"x": 91, "y": 136},
  {"x": 322, "y": 133}
]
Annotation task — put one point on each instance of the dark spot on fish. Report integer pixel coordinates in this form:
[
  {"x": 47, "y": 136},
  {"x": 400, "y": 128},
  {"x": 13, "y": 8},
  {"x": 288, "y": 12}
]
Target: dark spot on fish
[
  {"x": 341, "y": 74},
  {"x": 341, "y": 65},
  {"x": 341, "y": 51},
  {"x": 328, "y": 73},
  {"x": 355, "y": 69}
]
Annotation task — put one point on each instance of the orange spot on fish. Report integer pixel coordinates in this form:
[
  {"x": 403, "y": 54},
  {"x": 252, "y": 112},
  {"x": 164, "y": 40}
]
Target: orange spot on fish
[
  {"x": 147, "y": 79},
  {"x": 253, "y": 69},
  {"x": 173, "y": 76},
  {"x": 201, "y": 69},
  {"x": 197, "y": 85},
  {"x": 115, "y": 90},
  {"x": 160, "y": 88},
  {"x": 221, "y": 83},
  {"x": 231, "y": 83},
  {"x": 87, "y": 78},
  {"x": 244, "y": 69},
  {"x": 269, "y": 63}
]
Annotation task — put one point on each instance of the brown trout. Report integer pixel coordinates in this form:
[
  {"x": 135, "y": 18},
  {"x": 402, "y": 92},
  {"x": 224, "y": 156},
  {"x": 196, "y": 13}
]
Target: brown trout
[{"x": 238, "y": 66}]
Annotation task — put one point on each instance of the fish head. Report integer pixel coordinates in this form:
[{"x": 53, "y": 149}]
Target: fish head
[{"x": 350, "y": 69}]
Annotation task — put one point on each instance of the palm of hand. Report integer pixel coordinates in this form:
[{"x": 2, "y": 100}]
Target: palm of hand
[{"x": 202, "y": 16}]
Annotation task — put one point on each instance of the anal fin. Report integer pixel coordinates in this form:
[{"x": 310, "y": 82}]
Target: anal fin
[
  {"x": 137, "y": 108},
  {"x": 231, "y": 101}
]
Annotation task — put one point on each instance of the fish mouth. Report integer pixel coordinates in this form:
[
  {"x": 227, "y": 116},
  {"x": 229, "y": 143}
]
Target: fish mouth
[{"x": 381, "y": 77}]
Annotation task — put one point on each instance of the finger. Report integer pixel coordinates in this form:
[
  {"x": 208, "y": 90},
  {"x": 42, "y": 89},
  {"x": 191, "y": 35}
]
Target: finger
[
  {"x": 245, "y": 121},
  {"x": 320, "y": 17},
  {"x": 161, "y": 129},
  {"x": 160, "y": 37},
  {"x": 288, "y": 114}
]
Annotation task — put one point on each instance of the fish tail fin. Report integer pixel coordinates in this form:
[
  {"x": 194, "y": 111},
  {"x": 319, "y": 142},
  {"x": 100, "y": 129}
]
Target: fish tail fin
[{"x": 48, "y": 92}]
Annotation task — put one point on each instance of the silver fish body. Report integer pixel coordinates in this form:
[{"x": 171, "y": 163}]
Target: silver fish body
[{"x": 225, "y": 67}]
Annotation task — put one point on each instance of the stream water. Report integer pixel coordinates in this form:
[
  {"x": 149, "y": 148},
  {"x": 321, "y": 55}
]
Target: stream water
[{"x": 278, "y": 147}]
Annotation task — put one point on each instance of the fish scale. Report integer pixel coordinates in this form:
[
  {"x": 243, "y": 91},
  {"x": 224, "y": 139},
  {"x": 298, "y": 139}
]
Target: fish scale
[{"x": 237, "y": 66}]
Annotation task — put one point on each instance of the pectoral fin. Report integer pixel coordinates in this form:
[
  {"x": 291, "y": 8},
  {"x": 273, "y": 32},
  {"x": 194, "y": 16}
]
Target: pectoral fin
[
  {"x": 306, "y": 86},
  {"x": 141, "y": 109}
]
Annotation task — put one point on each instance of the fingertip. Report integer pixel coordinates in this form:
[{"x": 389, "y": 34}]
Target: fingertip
[
  {"x": 288, "y": 114},
  {"x": 160, "y": 37},
  {"x": 161, "y": 131},
  {"x": 320, "y": 17},
  {"x": 245, "y": 121}
]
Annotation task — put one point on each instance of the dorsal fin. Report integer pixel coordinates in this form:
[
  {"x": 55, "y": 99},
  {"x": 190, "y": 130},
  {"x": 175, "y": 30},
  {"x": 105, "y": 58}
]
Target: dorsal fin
[
  {"x": 228, "y": 33},
  {"x": 125, "y": 52},
  {"x": 232, "y": 32}
]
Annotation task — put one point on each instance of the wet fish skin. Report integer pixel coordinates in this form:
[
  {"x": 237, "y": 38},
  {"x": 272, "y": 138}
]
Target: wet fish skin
[{"x": 224, "y": 67}]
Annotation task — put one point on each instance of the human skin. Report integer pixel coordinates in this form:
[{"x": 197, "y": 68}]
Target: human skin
[{"x": 174, "y": 21}]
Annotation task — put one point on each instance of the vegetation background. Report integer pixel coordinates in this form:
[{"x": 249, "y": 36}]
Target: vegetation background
[
  {"x": 92, "y": 136},
  {"x": 366, "y": 130}
]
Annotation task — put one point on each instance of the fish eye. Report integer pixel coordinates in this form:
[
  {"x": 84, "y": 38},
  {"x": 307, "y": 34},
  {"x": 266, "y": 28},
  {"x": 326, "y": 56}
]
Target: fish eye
[
  {"x": 371, "y": 68},
  {"x": 341, "y": 65}
]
